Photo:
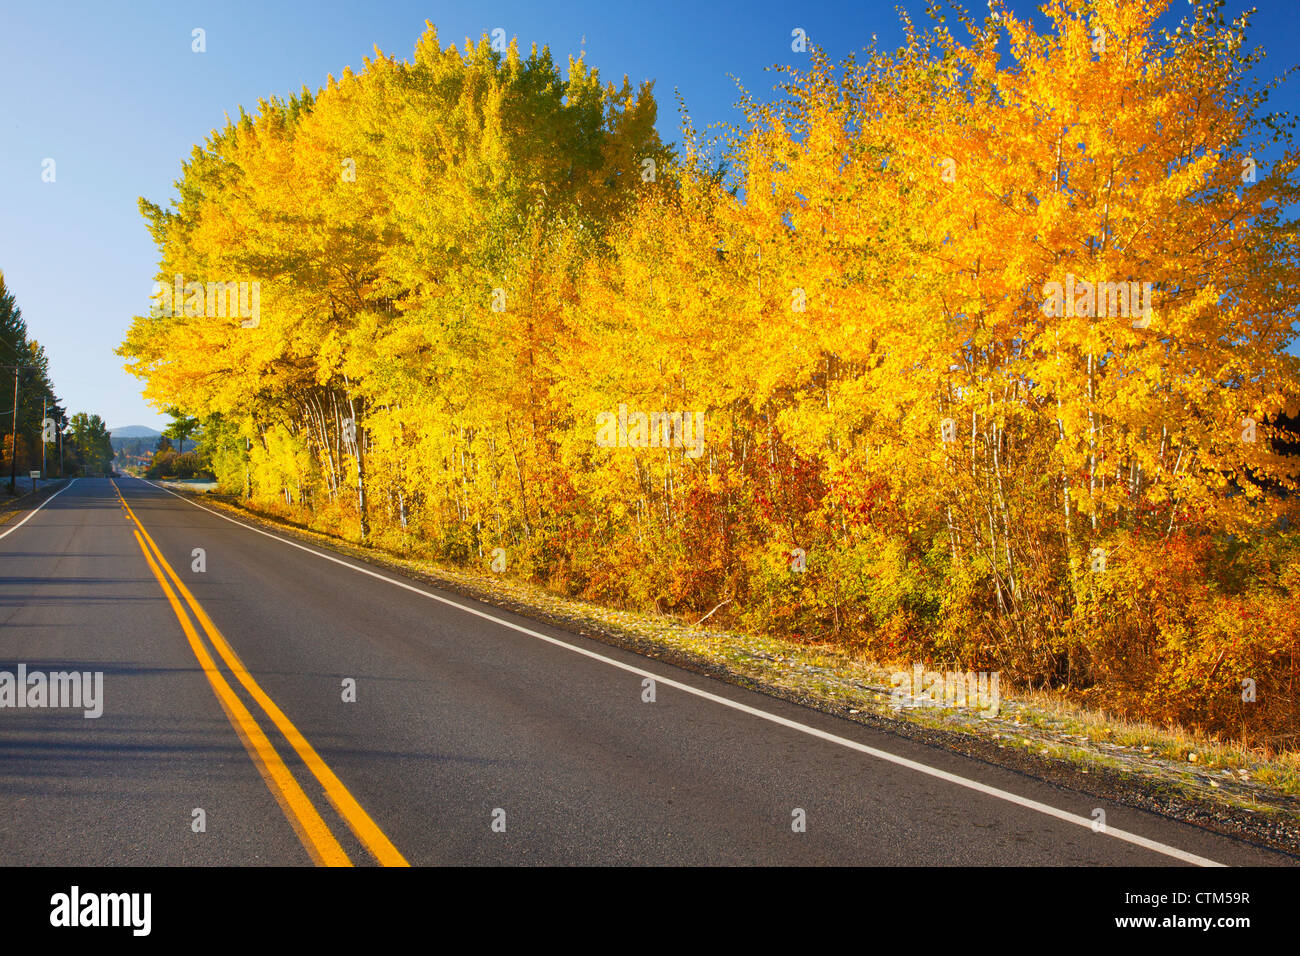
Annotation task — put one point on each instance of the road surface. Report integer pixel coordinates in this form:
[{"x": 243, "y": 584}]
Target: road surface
[{"x": 284, "y": 705}]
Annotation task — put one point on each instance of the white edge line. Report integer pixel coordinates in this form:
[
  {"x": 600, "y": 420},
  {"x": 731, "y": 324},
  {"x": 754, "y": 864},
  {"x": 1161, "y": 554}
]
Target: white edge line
[
  {"x": 975, "y": 785},
  {"x": 32, "y": 513}
]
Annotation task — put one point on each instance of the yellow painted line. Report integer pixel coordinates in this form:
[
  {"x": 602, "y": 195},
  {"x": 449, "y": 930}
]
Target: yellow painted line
[
  {"x": 367, "y": 831},
  {"x": 316, "y": 837}
]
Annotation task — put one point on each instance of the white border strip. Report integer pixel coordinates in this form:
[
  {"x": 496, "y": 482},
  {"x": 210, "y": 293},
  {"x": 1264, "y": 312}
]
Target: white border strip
[
  {"x": 38, "y": 508},
  {"x": 953, "y": 778}
]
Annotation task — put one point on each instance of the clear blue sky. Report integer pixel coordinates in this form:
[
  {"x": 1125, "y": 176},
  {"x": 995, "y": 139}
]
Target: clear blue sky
[{"x": 113, "y": 93}]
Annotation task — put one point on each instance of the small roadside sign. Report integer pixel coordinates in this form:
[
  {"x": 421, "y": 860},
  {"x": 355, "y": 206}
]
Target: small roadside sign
[{"x": 35, "y": 475}]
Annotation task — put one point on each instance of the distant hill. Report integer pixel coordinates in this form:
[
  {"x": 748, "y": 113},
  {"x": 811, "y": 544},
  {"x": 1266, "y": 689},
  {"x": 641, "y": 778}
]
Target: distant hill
[
  {"x": 134, "y": 444},
  {"x": 135, "y": 431}
]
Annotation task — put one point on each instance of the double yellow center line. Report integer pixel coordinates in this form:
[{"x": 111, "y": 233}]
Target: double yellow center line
[{"x": 307, "y": 822}]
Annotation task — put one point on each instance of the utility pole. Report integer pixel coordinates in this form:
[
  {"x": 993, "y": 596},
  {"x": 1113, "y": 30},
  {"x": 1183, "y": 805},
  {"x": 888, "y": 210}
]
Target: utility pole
[
  {"x": 44, "y": 409},
  {"x": 60, "y": 451},
  {"x": 13, "y": 458}
]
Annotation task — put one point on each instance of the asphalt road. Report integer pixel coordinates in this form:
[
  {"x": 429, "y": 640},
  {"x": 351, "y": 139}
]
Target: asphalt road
[{"x": 476, "y": 736}]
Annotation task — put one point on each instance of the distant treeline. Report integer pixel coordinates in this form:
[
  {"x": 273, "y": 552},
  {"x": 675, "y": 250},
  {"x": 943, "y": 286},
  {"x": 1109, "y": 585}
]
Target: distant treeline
[{"x": 42, "y": 421}]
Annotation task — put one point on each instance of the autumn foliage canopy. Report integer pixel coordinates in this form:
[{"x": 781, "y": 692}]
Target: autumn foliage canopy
[{"x": 988, "y": 335}]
